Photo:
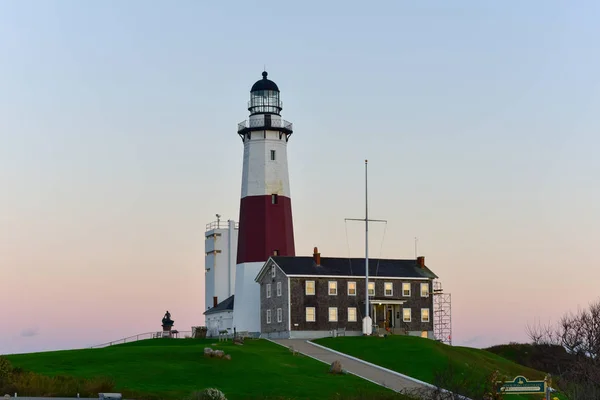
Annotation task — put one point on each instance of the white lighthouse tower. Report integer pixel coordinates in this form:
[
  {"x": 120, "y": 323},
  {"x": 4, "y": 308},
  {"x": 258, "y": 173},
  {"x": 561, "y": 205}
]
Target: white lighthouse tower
[{"x": 265, "y": 222}]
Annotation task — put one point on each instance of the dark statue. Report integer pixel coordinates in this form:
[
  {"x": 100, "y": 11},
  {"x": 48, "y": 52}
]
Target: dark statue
[{"x": 167, "y": 321}]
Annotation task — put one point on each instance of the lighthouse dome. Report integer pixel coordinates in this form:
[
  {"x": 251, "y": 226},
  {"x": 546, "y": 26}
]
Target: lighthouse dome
[
  {"x": 264, "y": 84},
  {"x": 264, "y": 97}
]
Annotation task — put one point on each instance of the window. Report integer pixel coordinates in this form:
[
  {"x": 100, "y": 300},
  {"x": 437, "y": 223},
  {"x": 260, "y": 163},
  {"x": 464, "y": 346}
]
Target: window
[
  {"x": 279, "y": 315},
  {"x": 371, "y": 288},
  {"x": 406, "y": 289},
  {"x": 389, "y": 288},
  {"x": 310, "y": 314},
  {"x": 310, "y": 288},
  {"x": 424, "y": 314},
  {"x": 332, "y": 288},
  {"x": 333, "y": 314},
  {"x": 268, "y": 290},
  {"x": 278, "y": 289},
  {"x": 351, "y": 288},
  {"x": 406, "y": 316},
  {"x": 424, "y": 289},
  {"x": 351, "y": 314},
  {"x": 272, "y": 155},
  {"x": 268, "y": 316},
  {"x": 274, "y": 199},
  {"x": 273, "y": 271}
]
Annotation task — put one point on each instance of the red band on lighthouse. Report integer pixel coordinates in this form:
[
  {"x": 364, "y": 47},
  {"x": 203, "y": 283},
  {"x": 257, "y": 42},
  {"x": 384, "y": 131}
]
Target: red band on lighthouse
[{"x": 266, "y": 229}]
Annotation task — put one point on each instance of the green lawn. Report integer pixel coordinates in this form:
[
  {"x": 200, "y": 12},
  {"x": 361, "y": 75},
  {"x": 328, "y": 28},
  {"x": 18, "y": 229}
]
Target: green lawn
[
  {"x": 423, "y": 358},
  {"x": 172, "y": 368}
]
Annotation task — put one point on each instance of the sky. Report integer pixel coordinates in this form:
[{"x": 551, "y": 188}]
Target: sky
[{"x": 118, "y": 144}]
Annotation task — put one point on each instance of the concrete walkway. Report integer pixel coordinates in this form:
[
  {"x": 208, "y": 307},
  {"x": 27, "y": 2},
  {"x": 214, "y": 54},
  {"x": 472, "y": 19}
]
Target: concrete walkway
[{"x": 378, "y": 375}]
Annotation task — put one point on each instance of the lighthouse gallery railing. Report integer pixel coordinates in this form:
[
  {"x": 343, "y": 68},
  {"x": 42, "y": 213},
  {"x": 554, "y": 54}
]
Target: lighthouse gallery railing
[{"x": 265, "y": 123}]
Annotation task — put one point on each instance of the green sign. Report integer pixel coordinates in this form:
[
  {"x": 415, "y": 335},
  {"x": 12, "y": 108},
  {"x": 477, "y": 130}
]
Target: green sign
[{"x": 520, "y": 385}]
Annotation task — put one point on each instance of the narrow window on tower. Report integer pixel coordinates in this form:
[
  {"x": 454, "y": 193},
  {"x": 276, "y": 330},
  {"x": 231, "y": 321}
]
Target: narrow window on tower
[
  {"x": 274, "y": 199},
  {"x": 272, "y": 155}
]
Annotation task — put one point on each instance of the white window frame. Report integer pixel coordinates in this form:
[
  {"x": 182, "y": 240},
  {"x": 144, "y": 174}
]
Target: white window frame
[
  {"x": 426, "y": 286},
  {"x": 314, "y": 314},
  {"x": 314, "y": 288},
  {"x": 273, "y": 155},
  {"x": 279, "y": 315},
  {"x": 385, "y": 290},
  {"x": 278, "y": 289},
  {"x": 352, "y": 294},
  {"x": 428, "y": 316},
  {"x": 372, "y": 284},
  {"x": 409, "y": 289},
  {"x": 273, "y": 272},
  {"x": 268, "y": 291},
  {"x": 329, "y": 288},
  {"x": 268, "y": 316},
  {"x": 355, "y": 314},
  {"x": 409, "y": 315},
  {"x": 329, "y": 314}
]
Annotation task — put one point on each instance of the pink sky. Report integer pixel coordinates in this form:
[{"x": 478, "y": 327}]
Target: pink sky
[{"x": 118, "y": 144}]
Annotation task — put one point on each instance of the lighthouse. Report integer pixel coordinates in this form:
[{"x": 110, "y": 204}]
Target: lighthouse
[{"x": 265, "y": 220}]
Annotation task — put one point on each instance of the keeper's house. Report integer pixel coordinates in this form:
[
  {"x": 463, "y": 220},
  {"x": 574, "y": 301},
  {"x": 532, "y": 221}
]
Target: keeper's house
[{"x": 310, "y": 297}]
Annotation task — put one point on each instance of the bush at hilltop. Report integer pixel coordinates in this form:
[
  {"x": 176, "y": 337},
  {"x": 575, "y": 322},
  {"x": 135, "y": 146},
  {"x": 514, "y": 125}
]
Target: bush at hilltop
[{"x": 542, "y": 357}]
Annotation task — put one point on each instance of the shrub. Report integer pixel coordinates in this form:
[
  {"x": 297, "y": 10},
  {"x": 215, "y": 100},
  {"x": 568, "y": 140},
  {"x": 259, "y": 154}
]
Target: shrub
[
  {"x": 208, "y": 394},
  {"x": 6, "y": 376},
  {"x": 32, "y": 384}
]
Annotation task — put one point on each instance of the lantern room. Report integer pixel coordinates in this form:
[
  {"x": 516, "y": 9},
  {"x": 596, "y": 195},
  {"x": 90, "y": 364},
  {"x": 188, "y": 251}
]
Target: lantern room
[{"x": 264, "y": 97}]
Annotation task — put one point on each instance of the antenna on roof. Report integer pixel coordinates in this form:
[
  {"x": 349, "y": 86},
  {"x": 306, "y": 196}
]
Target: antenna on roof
[{"x": 416, "y": 248}]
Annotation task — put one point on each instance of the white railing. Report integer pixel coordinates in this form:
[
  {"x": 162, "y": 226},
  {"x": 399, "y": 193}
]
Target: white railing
[
  {"x": 220, "y": 225},
  {"x": 144, "y": 336},
  {"x": 262, "y": 123}
]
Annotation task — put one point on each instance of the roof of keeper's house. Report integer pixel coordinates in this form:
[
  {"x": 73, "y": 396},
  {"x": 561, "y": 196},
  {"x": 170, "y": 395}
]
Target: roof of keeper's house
[
  {"x": 353, "y": 267},
  {"x": 225, "y": 305}
]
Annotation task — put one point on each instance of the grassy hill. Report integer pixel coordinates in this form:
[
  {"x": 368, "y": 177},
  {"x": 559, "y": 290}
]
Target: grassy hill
[
  {"x": 173, "y": 368},
  {"x": 424, "y": 359}
]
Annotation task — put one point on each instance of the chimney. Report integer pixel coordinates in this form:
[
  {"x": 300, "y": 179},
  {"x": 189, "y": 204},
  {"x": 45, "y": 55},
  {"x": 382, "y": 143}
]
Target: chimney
[
  {"x": 317, "y": 256},
  {"x": 421, "y": 261},
  {"x": 215, "y": 302}
]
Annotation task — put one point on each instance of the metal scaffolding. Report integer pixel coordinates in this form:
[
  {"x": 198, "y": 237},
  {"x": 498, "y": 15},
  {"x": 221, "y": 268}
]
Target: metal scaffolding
[{"x": 442, "y": 314}]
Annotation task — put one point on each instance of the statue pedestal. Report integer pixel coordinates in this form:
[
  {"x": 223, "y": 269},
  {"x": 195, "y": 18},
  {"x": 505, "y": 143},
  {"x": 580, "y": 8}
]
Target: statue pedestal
[{"x": 167, "y": 330}]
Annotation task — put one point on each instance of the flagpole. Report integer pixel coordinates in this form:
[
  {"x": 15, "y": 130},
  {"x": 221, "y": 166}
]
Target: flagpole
[
  {"x": 367, "y": 322},
  {"x": 366, "y": 240}
]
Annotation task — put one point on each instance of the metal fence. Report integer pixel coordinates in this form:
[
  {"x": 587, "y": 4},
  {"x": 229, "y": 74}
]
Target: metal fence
[{"x": 143, "y": 336}]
